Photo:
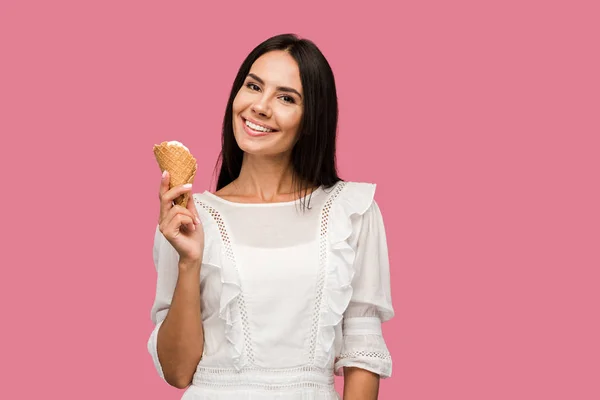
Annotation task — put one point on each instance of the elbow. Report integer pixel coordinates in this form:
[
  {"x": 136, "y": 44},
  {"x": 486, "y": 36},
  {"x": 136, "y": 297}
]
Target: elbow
[
  {"x": 181, "y": 384},
  {"x": 177, "y": 369},
  {"x": 182, "y": 376},
  {"x": 179, "y": 381}
]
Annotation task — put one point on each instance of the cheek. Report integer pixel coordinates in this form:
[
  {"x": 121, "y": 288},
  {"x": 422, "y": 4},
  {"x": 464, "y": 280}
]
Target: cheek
[
  {"x": 240, "y": 102},
  {"x": 291, "y": 119},
  {"x": 236, "y": 103}
]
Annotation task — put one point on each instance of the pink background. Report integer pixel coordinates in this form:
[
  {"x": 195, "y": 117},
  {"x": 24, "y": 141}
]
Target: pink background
[{"x": 479, "y": 122}]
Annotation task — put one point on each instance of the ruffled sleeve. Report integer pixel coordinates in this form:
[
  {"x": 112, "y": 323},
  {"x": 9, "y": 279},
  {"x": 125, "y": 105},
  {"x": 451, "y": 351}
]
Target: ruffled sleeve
[
  {"x": 166, "y": 261},
  {"x": 363, "y": 345}
]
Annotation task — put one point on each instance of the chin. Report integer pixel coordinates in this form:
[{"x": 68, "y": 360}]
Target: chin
[
  {"x": 257, "y": 150},
  {"x": 252, "y": 147},
  {"x": 260, "y": 149}
]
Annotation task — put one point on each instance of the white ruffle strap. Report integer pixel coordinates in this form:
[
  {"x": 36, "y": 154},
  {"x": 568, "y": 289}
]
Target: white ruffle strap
[
  {"x": 353, "y": 199},
  {"x": 217, "y": 252}
]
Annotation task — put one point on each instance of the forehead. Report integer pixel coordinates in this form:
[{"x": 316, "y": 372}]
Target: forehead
[{"x": 278, "y": 68}]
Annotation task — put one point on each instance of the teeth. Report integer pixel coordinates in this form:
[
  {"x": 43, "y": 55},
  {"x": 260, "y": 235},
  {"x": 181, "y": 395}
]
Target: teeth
[{"x": 258, "y": 127}]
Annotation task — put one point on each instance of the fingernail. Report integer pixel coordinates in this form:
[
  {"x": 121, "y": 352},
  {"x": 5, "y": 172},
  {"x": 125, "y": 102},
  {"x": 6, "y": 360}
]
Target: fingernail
[
  {"x": 187, "y": 186},
  {"x": 164, "y": 173},
  {"x": 197, "y": 220}
]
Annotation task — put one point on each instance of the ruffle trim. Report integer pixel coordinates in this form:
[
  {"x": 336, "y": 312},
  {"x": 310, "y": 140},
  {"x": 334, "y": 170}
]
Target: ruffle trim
[
  {"x": 217, "y": 253},
  {"x": 354, "y": 199}
]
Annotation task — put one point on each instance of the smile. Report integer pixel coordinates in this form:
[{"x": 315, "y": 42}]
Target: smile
[{"x": 256, "y": 130}]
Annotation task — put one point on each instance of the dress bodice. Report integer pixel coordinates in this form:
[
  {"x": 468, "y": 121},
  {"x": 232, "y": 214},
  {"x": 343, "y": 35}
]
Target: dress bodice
[{"x": 288, "y": 296}]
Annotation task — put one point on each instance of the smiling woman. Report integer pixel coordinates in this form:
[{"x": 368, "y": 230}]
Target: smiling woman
[
  {"x": 287, "y": 86},
  {"x": 258, "y": 300},
  {"x": 269, "y": 108}
]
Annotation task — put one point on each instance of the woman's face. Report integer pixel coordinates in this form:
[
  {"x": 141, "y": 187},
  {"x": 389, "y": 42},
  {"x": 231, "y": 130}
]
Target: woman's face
[{"x": 268, "y": 107}]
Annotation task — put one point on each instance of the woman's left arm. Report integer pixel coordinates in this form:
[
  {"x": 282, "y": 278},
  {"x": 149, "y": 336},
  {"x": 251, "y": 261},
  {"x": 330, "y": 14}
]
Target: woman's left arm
[
  {"x": 364, "y": 355},
  {"x": 360, "y": 384}
]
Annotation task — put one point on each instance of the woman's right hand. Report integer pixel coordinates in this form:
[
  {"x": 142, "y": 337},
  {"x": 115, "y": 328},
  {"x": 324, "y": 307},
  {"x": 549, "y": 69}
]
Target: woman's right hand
[{"x": 181, "y": 226}]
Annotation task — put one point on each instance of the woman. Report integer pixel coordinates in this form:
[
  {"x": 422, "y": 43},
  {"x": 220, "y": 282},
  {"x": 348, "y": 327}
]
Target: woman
[{"x": 280, "y": 279}]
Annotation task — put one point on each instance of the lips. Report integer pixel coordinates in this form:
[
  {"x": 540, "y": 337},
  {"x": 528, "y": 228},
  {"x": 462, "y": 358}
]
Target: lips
[
  {"x": 259, "y": 123},
  {"x": 254, "y": 133}
]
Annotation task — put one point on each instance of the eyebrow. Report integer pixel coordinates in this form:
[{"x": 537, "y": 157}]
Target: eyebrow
[{"x": 280, "y": 88}]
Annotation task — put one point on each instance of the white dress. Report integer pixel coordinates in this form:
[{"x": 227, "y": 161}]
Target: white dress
[{"x": 288, "y": 298}]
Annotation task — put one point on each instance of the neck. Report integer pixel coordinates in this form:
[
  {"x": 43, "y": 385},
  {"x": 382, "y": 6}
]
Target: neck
[{"x": 265, "y": 178}]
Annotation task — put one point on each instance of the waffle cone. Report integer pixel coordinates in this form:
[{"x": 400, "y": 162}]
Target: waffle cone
[{"x": 179, "y": 162}]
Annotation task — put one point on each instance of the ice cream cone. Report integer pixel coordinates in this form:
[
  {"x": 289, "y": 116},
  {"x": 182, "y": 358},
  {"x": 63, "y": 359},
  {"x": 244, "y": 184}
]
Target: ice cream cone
[{"x": 174, "y": 157}]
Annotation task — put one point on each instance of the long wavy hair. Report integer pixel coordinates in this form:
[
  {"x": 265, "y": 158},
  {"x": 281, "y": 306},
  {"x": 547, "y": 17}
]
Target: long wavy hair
[{"x": 313, "y": 156}]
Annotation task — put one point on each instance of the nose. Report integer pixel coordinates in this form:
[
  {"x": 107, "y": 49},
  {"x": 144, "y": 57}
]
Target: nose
[{"x": 261, "y": 107}]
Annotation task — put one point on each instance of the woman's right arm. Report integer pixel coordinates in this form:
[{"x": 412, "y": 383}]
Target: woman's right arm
[
  {"x": 177, "y": 341},
  {"x": 180, "y": 339}
]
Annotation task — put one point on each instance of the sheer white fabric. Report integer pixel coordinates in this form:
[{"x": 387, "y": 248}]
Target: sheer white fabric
[{"x": 289, "y": 297}]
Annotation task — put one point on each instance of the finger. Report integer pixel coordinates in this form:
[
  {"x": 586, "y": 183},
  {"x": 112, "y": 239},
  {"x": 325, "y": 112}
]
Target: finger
[
  {"x": 186, "y": 221},
  {"x": 174, "y": 223},
  {"x": 165, "y": 204},
  {"x": 164, "y": 183},
  {"x": 175, "y": 212},
  {"x": 191, "y": 206},
  {"x": 176, "y": 191}
]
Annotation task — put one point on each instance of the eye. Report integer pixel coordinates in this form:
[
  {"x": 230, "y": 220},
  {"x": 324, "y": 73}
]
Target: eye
[
  {"x": 252, "y": 86},
  {"x": 288, "y": 99}
]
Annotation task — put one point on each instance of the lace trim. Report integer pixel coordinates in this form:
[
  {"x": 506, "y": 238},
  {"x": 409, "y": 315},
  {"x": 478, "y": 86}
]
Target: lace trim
[
  {"x": 277, "y": 371},
  {"x": 265, "y": 378},
  {"x": 380, "y": 355},
  {"x": 240, "y": 298},
  {"x": 268, "y": 387},
  {"x": 319, "y": 303}
]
